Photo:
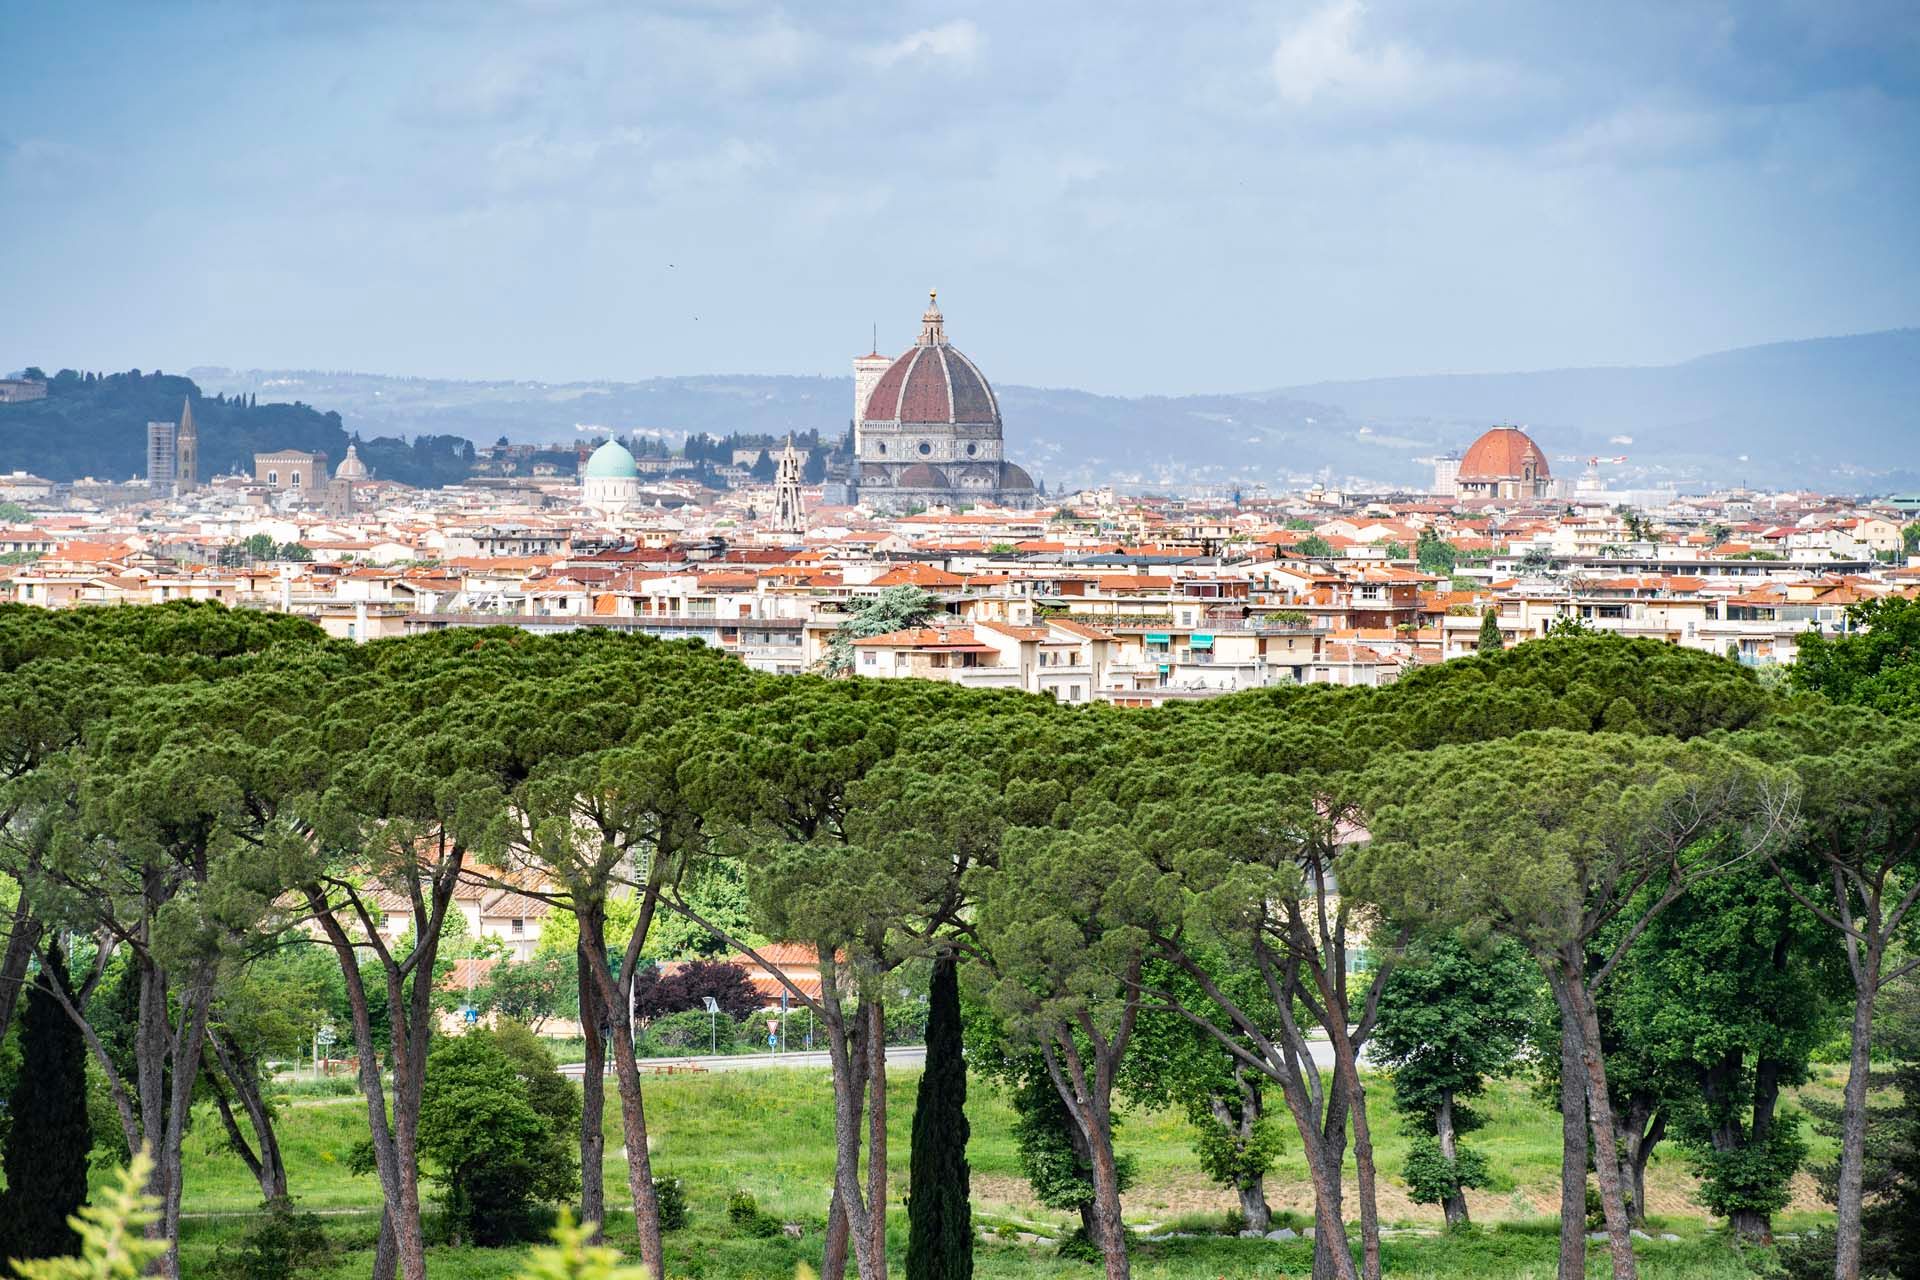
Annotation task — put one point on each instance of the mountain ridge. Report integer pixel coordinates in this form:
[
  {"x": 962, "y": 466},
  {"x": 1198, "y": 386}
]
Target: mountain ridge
[{"x": 1841, "y": 412}]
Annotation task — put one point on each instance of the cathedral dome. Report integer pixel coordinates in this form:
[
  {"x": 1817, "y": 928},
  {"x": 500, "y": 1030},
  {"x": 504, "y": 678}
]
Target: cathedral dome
[
  {"x": 922, "y": 476},
  {"x": 611, "y": 461},
  {"x": 1013, "y": 476},
  {"x": 351, "y": 468},
  {"x": 1504, "y": 453},
  {"x": 933, "y": 384}
]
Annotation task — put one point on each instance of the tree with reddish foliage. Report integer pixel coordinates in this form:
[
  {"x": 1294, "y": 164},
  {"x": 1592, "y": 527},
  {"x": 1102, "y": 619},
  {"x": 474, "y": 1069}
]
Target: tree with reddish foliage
[{"x": 686, "y": 986}]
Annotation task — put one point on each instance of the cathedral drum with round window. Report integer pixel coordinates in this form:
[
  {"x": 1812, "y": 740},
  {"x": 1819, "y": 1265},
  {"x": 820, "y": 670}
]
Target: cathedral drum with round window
[{"x": 927, "y": 429}]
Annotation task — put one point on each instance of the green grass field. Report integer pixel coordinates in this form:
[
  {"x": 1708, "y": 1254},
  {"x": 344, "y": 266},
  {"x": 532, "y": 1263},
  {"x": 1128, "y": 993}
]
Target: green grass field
[{"x": 769, "y": 1133}]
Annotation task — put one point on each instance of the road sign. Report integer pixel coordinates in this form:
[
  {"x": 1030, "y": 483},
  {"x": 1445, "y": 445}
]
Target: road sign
[
  {"x": 713, "y": 1006},
  {"x": 326, "y": 1035},
  {"x": 472, "y": 1015}
]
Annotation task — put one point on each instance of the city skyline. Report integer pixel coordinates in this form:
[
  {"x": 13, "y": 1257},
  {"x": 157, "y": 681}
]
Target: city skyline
[{"x": 1268, "y": 196}]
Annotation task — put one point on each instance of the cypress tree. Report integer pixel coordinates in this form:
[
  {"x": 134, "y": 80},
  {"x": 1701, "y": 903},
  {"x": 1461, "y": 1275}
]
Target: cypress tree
[
  {"x": 46, "y": 1154},
  {"x": 1490, "y": 637},
  {"x": 939, "y": 1214}
]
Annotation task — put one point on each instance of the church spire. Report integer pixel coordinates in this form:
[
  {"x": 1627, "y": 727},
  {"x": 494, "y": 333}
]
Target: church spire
[
  {"x": 186, "y": 445},
  {"x": 933, "y": 331}
]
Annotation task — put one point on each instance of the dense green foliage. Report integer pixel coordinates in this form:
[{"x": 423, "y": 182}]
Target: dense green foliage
[
  {"x": 1876, "y": 664},
  {"x": 1150, "y": 908},
  {"x": 494, "y": 1119},
  {"x": 96, "y": 425},
  {"x": 49, "y": 1137},
  {"x": 940, "y": 1219}
]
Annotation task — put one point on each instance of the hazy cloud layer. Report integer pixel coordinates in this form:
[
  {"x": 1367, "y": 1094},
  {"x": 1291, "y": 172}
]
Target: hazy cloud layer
[{"x": 1123, "y": 196}]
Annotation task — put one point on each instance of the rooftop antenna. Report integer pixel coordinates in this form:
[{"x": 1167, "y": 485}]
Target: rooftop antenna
[{"x": 875, "y": 348}]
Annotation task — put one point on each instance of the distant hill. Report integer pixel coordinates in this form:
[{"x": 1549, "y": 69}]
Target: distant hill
[
  {"x": 1836, "y": 413},
  {"x": 1841, "y": 412},
  {"x": 96, "y": 425}
]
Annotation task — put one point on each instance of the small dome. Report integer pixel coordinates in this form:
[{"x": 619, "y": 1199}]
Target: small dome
[
  {"x": 1503, "y": 454},
  {"x": 611, "y": 461},
  {"x": 1013, "y": 476},
  {"x": 922, "y": 476},
  {"x": 351, "y": 468}
]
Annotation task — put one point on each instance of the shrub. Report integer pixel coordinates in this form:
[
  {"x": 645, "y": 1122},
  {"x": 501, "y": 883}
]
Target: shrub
[
  {"x": 281, "y": 1245},
  {"x": 485, "y": 1122},
  {"x": 688, "y": 1032},
  {"x": 672, "y": 1196},
  {"x": 743, "y": 1214}
]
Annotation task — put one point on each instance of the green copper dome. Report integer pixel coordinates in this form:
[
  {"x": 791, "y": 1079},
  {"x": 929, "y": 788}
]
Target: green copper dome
[{"x": 611, "y": 461}]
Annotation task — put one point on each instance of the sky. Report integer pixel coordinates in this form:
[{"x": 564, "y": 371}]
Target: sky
[{"x": 1126, "y": 197}]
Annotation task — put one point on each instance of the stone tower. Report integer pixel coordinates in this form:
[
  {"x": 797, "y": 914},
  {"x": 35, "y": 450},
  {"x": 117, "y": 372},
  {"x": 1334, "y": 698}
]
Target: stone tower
[
  {"x": 788, "y": 514},
  {"x": 186, "y": 475}
]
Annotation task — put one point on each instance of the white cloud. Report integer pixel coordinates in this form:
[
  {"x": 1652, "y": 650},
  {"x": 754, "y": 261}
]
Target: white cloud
[
  {"x": 958, "y": 41},
  {"x": 1644, "y": 134},
  {"x": 730, "y": 161},
  {"x": 1329, "y": 57},
  {"x": 533, "y": 161}
]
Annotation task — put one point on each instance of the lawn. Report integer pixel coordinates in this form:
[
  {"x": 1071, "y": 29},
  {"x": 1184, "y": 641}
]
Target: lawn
[{"x": 768, "y": 1132}]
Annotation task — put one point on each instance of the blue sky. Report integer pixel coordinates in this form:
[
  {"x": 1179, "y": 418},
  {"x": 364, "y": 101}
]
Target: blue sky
[{"x": 1127, "y": 197}]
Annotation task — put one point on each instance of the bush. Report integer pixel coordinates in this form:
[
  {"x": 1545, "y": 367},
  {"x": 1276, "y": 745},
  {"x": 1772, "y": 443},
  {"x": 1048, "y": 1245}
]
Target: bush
[
  {"x": 672, "y": 1196},
  {"x": 493, "y": 1119},
  {"x": 281, "y": 1245},
  {"x": 688, "y": 1032},
  {"x": 743, "y": 1214}
]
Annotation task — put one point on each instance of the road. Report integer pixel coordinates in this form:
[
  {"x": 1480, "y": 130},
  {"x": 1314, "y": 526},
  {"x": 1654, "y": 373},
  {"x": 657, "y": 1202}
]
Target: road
[
  {"x": 897, "y": 1056},
  {"x": 914, "y": 1055}
]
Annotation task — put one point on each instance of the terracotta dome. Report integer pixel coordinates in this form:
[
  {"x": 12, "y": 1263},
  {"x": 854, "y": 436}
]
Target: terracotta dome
[
  {"x": 1015, "y": 477},
  {"x": 1504, "y": 454},
  {"x": 922, "y": 476},
  {"x": 933, "y": 384}
]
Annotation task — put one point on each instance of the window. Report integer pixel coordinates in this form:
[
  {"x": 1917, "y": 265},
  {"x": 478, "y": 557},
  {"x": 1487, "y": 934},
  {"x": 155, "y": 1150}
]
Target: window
[
  {"x": 881, "y": 448},
  {"x": 293, "y": 479},
  {"x": 972, "y": 449},
  {"x": 273, "y": 477},
  {"x": 925, "y": 448},
  {"x": 517, "y": 925}
]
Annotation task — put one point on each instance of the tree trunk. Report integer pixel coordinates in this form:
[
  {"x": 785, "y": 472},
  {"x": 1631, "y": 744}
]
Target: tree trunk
[
  {"x": 1642, "y": 1155},
  {"x": 633, "y": 1127},
  {"x": 1606, "y": 1159},
  {"x": 1853, "y": 1123},
  {"x": 1573, "y": 1136},
  {"x": 1349, "y": 1072},
  {"x": 1112, "y": 1232},
  {"x": 402, "y": 1245},
  {"x": 614, "y": 998},
  {"x": 1253, "y": 1203},
  {"x": 386, "y": 1250},
  {"x": 593, "y": 1104},
  {"x": 876, "y": 1023},
  {"x": 833, "y": 1261},
  {"x": 1455, "y": 1205},
  {"x": 21, "y": 941},
  {"x": 268, "y": 1167}
]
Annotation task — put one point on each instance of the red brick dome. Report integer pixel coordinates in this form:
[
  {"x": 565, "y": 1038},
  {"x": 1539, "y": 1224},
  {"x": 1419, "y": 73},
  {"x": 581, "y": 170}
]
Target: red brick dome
[
  {"x": 1504, "y": 453},
  {"x": 933, "y": 384}
]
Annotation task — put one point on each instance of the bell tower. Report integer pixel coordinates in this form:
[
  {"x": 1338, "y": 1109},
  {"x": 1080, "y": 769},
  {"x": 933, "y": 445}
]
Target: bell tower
[{"x": 186, "y": 475}]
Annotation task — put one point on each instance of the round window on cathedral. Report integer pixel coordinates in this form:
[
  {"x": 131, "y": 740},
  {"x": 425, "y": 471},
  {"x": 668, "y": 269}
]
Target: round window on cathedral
[
  {"x": 925, "y": 448},
  {"x": 972, "y": 449}
]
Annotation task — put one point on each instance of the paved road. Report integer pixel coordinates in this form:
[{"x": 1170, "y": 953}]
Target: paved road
[{"x": 897, "y": 1056}]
